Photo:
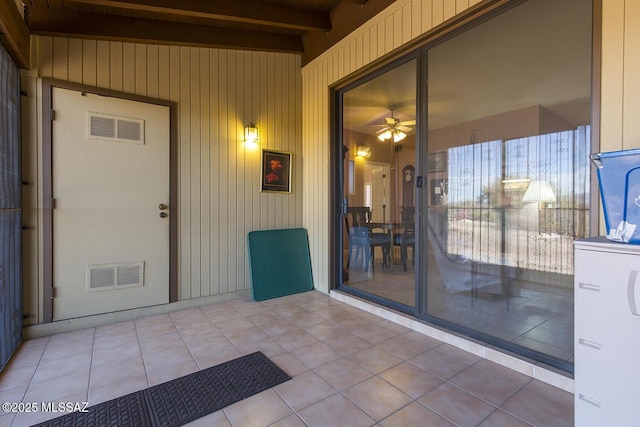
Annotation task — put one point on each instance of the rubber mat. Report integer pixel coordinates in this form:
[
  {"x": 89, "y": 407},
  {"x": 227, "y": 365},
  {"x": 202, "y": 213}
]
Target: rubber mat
[{"x": 184, "y": 399}]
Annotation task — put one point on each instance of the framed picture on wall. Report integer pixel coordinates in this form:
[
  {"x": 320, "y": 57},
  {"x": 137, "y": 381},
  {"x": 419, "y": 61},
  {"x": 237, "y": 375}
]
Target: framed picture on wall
[
  {"x": 275, "y": 174},
  {"x": 436, "y": 162}
]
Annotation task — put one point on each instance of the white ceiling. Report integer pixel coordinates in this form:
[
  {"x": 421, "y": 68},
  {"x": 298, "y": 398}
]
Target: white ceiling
[{"x": 535, "y": 54}]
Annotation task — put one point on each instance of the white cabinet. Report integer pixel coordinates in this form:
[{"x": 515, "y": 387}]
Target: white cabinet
[{"x": 607, "y": 333}]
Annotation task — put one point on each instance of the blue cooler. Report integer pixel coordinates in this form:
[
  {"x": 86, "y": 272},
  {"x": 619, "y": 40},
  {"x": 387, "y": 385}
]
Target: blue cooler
[{"x": 619, "y": 178}]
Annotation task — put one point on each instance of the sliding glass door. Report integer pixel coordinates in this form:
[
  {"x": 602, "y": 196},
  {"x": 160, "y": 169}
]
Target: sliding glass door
[{"x": 466, "y": 178}]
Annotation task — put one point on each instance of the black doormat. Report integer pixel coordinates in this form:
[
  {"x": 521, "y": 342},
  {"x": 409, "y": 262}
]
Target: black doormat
[{"x": 184, "y": 399}]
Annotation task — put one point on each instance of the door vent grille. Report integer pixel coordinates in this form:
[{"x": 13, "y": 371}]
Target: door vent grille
[
  {"x": 105, "y": 127},
  {"x": 104, "y": 277}
]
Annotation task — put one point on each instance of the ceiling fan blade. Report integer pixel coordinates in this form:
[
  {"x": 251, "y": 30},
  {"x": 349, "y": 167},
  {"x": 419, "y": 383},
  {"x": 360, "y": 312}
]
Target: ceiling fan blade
[
  {"x": 391, "y": 120},
  {"x": 408, "y": 123},
  {"x": 384, "y": 129},
  {"x": 404, "y": 128}
]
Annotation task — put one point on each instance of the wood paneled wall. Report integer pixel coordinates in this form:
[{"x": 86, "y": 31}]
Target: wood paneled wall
[
  {"x": 217, "y": 93},
  {"x": 397, "y": 25}
]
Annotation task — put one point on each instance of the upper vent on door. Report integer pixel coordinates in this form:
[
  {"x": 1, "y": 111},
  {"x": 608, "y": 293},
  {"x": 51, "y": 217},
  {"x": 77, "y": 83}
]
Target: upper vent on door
[{"x": 106, "y": 127}]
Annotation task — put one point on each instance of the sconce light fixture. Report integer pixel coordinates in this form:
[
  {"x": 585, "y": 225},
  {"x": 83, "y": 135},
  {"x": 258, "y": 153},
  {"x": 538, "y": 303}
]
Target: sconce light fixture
[
  {"x": 363, "y": 151},
  {"x": 251, "y": 135}
]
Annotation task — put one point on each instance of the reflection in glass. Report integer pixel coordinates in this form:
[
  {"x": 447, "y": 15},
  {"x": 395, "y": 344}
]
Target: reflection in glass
[
  {"x": 379, "y": 119},
  {"x": 508, "y": 176}
]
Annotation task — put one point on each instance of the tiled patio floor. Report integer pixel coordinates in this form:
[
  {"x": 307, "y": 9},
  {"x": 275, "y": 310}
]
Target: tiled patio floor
[{"x": 348, "y": 368}]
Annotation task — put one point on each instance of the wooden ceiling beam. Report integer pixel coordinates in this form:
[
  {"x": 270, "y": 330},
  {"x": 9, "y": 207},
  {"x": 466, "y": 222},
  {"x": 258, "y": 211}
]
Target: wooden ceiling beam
[
  {"x": 14, "y": 34},
  {"x": 246, "y": 11},
  {"x": 44, "y": 21},
  {"x": 346, "y": 17}
]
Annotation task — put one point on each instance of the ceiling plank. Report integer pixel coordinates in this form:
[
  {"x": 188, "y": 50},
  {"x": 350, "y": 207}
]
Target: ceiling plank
[
  {"x": 345, "y": 17},
  {"x": 246, "y": 11},
  {"x": 106, "y": 27},
  {"x": 15, "y": 35}
]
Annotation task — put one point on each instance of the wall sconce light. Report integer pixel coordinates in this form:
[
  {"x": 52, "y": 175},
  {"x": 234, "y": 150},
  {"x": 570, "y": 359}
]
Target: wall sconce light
[
  {"x": 363, "y": 151},
  {"x": 251, "y": 135}
]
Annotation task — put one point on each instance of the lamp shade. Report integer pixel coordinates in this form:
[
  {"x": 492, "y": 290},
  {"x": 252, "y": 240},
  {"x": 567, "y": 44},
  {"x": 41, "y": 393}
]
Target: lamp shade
[{"x": 539, "y": 191}]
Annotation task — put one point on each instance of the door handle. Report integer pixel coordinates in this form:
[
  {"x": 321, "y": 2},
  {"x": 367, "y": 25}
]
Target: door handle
[
  {"x": 163, "y": 214},
  {"x": 162, "y": 207},
  {"x": 631, "y": 292}
]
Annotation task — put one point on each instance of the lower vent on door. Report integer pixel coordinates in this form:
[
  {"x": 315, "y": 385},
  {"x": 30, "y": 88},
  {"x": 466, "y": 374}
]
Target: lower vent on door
[{"x": 102, "y": 277}]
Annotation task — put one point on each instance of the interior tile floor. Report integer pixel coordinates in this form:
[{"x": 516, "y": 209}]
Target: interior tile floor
[
  {"x": 348, "y": 367},
  {"x": 537, "y": 316}
]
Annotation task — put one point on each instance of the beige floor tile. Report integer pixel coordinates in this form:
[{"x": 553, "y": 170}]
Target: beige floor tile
[
  {"x": 260, "y": 410},
  {"x": 116, "y": 355},
  {"x": 376, "y": 359},
  {"x": 335, "y": 411},
  {"x": 159, "y": 376},
  {"x": 537, "y": 410},
  {"x": 411, "y": 379},
  {"x": 377, "y": 398},
  {"x": 268, "y": 346},
  {"x": 217, "y": 419},
  {"x": 343, "y": 373},
  {"x": 15, "y": 395},
  {"x": 325, "y": 330},
  {"x": 486, "y": 386},
  {"x": 290, "y": 364},
  {"x": 207, "y": 359},
  {"x": 374, "y": 333},
  {"x": 6, "y": 419},
  {"x": 502, "y": 419},
  {"x": 458, "y": 353},
  {"x": 290, "y": 421},
  {"x": 304, "y": 390},
  {"x": 64, "y": 351},
  {"x": 104, "y": 392},
  {"x": 549, "y": 392},
  {"x": 108, "y": 374},
  {"x": 415, "y": 414},
  {"x": 456, "y": 405},
  {"x": 294, "y": 340},
  {"x": 503, "y": 372},
  {"x": 439, "y": 363},
  {"x": 62, "y": 367},
  {"x": 317, "y": 354},
  {"x": 246, "y": 336},
  {"x": 405, "y": 347},
  {"x": 167, "y": 357},
  {"x": 57, "y": 388},
  {"x": 25, "y": 357},
  {"x": 14, "y": 378},
  {"x": 279, "y": 327},
  {"x": 347, "y": 343}
]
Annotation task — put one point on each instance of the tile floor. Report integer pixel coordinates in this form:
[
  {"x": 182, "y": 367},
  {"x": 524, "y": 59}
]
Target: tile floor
[{"x": 348, "y": 367}]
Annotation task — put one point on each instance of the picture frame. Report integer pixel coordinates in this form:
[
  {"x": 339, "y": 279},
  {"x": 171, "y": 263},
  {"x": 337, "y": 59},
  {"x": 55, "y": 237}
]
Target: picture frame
[
  {"x": 437, "y": 162},
  {"x": 275, "y": 171}
]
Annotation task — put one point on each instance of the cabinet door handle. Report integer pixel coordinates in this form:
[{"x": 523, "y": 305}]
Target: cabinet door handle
[
  {"x": 590, "y": 400},
  {"x": 589, "y": 343},
  {"x": 631, "y": 292},
  {"x": 589, "y": 287}
]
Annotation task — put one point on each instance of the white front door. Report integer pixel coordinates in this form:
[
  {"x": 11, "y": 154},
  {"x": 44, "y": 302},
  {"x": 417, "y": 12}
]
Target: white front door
[{"x": 110, "y": 178}]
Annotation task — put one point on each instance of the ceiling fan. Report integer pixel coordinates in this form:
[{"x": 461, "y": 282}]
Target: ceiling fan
[{"x": 394, "y": 129}]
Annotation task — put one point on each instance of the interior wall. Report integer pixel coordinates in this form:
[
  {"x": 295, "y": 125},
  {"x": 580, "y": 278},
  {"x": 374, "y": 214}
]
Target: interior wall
[
  {"x": 217, "y": 93},
  {"x": 397, "y": 25}
]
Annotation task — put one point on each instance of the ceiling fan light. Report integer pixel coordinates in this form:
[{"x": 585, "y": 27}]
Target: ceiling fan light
[
  {"x": 399, "y": 136},
  {"x": 385, "y": 135}
]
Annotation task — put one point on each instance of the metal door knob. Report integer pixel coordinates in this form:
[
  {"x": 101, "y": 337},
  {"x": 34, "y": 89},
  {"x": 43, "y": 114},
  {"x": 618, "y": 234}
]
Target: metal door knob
[
  {"x": 163, "y": 215},
  {"x": 162, "y": 206}
]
